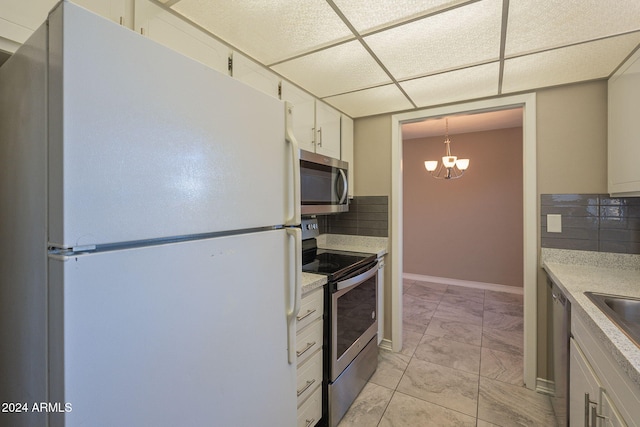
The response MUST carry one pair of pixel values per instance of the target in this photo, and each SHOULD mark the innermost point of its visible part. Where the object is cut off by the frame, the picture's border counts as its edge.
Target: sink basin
(623, 311)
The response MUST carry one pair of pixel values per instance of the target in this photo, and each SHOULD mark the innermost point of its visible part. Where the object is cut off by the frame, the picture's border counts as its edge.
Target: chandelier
(451, 167)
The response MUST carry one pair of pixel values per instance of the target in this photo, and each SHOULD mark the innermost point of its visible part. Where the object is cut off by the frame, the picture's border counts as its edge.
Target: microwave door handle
(343, 197)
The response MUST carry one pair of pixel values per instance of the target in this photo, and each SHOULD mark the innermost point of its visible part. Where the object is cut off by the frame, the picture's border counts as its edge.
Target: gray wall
(592, 222)
(367, 216)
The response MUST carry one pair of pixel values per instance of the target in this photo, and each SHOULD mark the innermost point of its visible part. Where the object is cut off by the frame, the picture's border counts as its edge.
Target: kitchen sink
(623, 311)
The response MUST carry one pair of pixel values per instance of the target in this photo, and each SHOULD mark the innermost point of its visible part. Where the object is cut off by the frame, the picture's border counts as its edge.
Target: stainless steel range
(351, 320)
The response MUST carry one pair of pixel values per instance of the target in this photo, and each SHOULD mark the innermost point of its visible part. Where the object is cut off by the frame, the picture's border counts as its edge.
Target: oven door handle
(355, 281)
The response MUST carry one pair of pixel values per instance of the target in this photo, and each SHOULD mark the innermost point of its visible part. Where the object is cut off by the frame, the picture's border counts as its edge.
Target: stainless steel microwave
(324, 184)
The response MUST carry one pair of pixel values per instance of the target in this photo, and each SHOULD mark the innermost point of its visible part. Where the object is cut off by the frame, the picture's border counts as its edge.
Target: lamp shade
(462, 164)
(431, 165)
(449, 161)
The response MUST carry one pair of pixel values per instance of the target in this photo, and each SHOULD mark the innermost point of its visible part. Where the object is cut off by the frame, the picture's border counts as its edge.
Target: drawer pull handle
(306, 386)
(309, 345)
(309, 422)
(307, 314)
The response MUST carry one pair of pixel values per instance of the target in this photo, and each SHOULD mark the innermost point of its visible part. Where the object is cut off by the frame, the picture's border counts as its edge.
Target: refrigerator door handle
(295, 281)
(295, 156)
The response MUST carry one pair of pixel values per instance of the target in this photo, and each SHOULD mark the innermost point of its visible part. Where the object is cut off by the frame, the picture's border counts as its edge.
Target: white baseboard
(545, 386)
(466, 283)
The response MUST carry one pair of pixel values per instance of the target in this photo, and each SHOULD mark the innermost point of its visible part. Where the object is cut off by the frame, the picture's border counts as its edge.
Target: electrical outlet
(554, 223)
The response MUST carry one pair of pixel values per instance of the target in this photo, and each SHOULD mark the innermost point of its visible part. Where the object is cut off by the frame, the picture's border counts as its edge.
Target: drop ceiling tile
(459, 85)
(464, 36)
(336, 70)
(369, 102)
(575, 63)
(369, 16)
(547, 24)
(268, 30)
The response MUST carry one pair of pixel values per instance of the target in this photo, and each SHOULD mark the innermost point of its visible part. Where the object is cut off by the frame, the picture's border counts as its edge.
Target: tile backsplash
(367, 216)
(592, 222)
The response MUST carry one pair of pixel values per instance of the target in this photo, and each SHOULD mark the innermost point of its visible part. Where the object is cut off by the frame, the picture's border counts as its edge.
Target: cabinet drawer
(309, 377)
(310, 411)
(309, 340)
(311, 308)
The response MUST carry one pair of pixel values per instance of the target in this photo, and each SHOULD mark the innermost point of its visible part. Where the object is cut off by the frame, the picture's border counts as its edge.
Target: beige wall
(450, 224)
(571, 158)
(572, 139)
(373, 178)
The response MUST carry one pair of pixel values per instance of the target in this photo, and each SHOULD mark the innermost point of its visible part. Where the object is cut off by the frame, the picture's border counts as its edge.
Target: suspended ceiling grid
(373, 57)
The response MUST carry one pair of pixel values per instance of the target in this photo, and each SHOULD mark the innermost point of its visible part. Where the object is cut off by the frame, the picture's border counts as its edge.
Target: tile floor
(460, 365)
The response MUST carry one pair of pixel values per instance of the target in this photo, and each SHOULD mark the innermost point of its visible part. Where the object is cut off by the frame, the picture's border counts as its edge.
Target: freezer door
(186, 334)
(146, 143)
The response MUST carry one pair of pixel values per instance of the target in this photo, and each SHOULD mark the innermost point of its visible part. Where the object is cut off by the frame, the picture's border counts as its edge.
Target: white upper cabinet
(19, 19)
(303, 115)
(624, 129)
(316, 125)
(346, 151)
(254, 74)
(120, 11)
(160, 25)
(327, 130)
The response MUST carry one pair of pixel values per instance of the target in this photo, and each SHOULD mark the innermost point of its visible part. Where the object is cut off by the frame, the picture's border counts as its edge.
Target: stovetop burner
(334, 264)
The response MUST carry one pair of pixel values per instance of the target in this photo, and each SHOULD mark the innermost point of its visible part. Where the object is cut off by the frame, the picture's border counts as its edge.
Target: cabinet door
(327, 130)
(303, 114)
(624, 128)
(583, 382)
(611, 417)
(255, 75)
(19, 19)
(169, 30)
(346, 149)
(119, 11)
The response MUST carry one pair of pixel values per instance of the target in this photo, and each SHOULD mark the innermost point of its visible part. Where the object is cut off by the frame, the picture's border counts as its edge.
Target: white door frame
(530, 242)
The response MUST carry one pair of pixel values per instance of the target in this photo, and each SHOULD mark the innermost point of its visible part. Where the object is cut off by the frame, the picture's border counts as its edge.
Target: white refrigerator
(150, 254)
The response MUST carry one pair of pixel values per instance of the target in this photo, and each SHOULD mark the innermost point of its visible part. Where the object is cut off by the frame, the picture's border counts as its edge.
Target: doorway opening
(529, 210)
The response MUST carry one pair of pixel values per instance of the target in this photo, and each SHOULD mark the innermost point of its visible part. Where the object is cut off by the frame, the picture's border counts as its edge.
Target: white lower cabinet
(310, 411)
(309, 337)
(608, 410)
(601, 394)
(584, 389)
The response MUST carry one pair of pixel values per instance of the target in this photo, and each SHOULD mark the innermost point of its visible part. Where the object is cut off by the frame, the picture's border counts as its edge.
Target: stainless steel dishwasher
(561, 312)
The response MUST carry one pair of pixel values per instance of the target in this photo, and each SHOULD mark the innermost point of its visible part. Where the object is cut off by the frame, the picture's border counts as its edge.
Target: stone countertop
(576, 272)
(312, 281)
(343, 242)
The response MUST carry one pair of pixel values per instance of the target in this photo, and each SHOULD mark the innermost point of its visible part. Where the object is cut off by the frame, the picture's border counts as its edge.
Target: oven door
(354, 318)
(323, 184)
